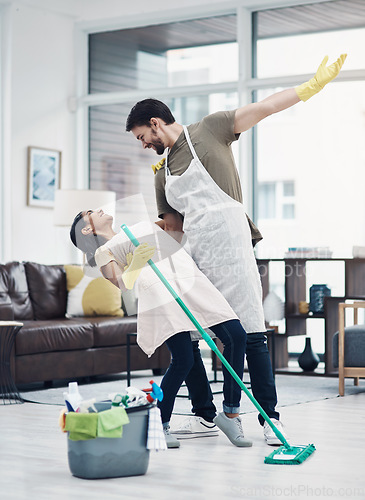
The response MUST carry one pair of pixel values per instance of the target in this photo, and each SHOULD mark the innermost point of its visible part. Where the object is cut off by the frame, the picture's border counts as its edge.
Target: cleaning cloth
(81, 426)
(110, 422)
(155, 436)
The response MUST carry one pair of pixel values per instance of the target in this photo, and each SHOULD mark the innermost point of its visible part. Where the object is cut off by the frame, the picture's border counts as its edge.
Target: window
(276, 200)
(166, 55)
(186, 54)
(209, 64)
(267, 200)
(318, 144)
(294, 60)
(291, 39)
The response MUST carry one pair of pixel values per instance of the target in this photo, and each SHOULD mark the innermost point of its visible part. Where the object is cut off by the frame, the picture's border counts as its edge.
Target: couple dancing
(198, 192)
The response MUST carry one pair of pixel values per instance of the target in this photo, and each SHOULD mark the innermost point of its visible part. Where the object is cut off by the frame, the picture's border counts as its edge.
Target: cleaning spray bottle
(72, 398)
(154, 392)
(87, 406)
(136, 397)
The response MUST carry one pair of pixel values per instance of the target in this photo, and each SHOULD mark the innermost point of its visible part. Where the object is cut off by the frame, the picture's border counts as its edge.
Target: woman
(160, 319)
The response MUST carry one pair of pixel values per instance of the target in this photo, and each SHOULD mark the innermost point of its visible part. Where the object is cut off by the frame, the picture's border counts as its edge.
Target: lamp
(69, 202)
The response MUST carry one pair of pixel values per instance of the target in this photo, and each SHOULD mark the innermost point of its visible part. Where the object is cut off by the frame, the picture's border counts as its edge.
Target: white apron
(218, 238)
(159, 315)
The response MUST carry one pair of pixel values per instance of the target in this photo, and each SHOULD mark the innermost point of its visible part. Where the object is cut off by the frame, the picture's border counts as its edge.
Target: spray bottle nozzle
(155, 392)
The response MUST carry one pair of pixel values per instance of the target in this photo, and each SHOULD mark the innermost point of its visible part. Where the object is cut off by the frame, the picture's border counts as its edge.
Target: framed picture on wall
(44, 172)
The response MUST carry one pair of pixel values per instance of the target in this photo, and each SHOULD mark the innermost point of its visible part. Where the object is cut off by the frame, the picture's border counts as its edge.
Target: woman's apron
(218, 237)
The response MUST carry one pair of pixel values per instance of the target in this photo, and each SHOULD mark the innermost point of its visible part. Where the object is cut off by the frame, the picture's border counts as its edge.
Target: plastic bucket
(113, 457)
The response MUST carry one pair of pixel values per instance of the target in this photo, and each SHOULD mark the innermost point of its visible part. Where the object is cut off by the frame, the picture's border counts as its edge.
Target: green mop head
(290, 456)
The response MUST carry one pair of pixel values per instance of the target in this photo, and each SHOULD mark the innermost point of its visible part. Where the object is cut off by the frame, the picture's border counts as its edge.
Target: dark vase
(308, 360)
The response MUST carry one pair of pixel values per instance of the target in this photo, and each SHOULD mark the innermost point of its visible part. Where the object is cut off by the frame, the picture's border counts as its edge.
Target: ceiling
(162, 37)
(323, 16)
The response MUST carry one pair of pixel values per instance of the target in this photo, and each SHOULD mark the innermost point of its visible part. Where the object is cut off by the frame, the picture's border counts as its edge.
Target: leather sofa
(50, 346)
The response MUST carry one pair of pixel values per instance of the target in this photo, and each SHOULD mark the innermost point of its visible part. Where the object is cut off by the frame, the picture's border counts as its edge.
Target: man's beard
(158, 145)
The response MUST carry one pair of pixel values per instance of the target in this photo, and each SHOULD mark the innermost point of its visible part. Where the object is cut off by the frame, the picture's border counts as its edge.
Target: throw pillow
(89, 296)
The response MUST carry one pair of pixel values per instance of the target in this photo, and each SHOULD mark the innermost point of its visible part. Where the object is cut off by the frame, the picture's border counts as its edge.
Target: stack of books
(308, 253)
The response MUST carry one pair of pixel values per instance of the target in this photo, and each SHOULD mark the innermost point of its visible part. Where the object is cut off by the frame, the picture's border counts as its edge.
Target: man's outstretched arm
(248, 116)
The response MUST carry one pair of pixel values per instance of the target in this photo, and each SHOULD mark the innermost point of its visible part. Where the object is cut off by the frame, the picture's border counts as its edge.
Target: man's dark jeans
(262, 380)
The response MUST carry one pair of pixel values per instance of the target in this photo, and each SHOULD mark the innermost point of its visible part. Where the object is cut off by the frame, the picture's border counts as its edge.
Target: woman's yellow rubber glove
(129, 258)
(141, 255)
(323, 76)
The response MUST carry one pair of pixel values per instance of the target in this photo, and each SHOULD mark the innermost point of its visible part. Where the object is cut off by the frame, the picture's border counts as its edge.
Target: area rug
(291, 390)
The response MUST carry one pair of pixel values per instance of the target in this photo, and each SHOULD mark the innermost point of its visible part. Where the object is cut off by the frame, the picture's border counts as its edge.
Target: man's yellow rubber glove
(159, 165)
(141, 255)
(323, 76)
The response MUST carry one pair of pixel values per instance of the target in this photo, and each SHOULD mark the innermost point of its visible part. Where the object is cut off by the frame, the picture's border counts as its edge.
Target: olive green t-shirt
(212, 138)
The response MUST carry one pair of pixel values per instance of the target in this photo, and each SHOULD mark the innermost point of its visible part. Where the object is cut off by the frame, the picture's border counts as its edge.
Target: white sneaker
(270, 436)
(171, 442)
(232, 428)
(194, 427)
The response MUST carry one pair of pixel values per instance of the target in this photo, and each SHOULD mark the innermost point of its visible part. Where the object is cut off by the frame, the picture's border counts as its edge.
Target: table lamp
(273, 308)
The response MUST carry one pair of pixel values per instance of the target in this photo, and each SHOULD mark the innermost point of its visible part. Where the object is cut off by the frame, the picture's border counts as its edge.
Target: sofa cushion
(6, 308)
(113, 331)
(54, 335)
(354, 346)
(47, 289)
(89, 296)
(16, 287)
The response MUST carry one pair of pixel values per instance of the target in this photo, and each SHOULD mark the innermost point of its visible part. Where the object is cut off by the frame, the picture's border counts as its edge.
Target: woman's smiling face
(97, 220)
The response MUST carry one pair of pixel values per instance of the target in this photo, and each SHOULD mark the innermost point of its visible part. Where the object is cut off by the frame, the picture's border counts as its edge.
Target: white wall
(42, 79)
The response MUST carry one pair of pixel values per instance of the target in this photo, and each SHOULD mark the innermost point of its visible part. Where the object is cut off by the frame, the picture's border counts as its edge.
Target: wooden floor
(33, 459)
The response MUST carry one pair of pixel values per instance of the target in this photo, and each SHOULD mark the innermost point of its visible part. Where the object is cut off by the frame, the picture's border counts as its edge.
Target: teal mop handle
(208, 340)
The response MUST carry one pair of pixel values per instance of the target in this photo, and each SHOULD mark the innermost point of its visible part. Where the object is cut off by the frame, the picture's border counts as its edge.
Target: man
(198, 191)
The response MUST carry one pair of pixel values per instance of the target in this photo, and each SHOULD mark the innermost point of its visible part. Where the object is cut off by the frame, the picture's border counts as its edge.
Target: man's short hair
(143, 111)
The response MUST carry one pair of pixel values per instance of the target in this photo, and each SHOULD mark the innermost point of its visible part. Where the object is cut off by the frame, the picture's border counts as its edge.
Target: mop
(284, 455)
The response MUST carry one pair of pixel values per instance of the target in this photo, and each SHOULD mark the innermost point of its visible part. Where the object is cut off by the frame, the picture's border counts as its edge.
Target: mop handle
(207, 339)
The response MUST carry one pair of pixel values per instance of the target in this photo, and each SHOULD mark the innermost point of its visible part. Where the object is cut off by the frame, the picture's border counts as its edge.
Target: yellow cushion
(91, 296)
